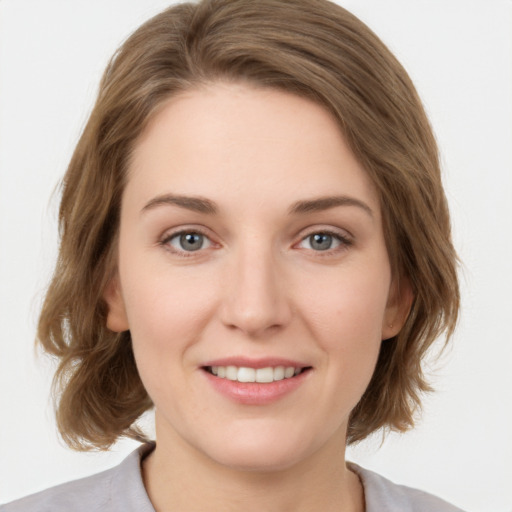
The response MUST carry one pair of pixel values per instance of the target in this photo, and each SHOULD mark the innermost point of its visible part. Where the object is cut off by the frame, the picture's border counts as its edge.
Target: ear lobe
(117, 321)
(398, 307)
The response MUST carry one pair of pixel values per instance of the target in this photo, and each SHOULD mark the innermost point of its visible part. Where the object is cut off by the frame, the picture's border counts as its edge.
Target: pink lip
(255, 393)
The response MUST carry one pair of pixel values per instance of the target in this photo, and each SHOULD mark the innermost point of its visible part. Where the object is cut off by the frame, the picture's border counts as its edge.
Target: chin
(258, 460)
(262, 451)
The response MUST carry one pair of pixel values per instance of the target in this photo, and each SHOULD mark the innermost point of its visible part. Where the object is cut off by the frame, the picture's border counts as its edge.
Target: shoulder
(91, 493)
(382, 495)
(118, 488)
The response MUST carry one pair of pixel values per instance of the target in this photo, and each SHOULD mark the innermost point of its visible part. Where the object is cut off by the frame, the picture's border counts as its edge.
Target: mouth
(256, 381)
(264, 375)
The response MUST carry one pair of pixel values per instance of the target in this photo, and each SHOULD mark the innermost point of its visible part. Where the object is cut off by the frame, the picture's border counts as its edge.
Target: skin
(257, 287)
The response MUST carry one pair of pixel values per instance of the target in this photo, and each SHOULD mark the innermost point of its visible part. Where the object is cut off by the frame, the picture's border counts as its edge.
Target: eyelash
(344, 242)
(165, 242)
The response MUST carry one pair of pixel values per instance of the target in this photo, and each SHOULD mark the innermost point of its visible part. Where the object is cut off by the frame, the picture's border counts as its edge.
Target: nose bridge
(255, 299)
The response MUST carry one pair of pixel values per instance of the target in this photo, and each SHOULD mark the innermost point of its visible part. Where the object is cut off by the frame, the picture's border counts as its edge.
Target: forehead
(238, 143)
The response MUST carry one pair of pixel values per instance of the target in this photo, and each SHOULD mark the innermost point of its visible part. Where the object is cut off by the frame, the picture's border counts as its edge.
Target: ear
(398, 307)
(117, 320)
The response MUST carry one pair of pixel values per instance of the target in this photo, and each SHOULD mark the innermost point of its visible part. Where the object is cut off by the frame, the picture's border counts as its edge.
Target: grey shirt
(121, 489)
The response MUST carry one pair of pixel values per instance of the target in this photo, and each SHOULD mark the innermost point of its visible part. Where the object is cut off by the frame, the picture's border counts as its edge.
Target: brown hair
(313, 48)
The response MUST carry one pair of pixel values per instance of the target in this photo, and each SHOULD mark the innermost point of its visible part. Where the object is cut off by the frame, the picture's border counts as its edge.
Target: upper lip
(256, 363)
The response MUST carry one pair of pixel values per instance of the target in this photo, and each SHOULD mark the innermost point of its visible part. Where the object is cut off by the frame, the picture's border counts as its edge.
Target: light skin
(289, 261)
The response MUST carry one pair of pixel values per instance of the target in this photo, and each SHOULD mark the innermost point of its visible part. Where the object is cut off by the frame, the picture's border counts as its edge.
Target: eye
(187, 241)
(323, 241)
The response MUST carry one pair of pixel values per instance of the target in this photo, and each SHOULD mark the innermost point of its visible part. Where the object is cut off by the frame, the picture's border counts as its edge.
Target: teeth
(262, 375)
(231, 373)
(279, 373)
(246, 375)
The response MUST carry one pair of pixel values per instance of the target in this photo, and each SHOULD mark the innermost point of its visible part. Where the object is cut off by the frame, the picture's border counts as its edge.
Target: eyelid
(182, 230)
(345, 239)
(327, 229)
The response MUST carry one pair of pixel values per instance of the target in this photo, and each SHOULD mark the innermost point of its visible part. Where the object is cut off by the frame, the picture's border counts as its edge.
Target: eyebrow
(196, 204)
(203, 205)
(325, 203)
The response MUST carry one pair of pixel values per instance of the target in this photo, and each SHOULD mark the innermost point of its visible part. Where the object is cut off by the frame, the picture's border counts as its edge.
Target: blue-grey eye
(189, 242)
(321, 242)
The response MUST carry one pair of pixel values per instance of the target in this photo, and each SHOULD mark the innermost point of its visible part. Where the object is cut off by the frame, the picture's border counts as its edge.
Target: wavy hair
(313, 48)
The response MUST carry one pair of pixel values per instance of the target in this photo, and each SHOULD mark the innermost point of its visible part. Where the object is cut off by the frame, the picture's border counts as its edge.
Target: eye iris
(321, 241)
(191, 241)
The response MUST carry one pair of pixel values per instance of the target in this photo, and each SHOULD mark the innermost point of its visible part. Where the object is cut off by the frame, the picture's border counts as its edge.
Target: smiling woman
(280, 280)
(256, 243)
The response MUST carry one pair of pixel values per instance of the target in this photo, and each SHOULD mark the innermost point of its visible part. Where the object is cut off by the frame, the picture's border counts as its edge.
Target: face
(252, 275)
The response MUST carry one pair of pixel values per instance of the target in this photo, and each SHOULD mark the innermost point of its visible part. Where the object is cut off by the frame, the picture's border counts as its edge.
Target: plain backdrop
(458, 52)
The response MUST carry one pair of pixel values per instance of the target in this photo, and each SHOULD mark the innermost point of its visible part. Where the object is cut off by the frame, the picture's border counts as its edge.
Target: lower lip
(255, 393)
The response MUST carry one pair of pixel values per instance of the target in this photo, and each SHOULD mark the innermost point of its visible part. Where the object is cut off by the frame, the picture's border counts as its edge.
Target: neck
(178, 478)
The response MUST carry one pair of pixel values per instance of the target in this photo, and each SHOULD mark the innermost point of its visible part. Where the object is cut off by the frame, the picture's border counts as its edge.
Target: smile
(255, 381)
(260, 375)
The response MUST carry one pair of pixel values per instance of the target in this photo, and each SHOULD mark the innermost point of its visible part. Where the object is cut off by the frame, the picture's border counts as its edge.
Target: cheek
(166, 315)
(166, 306)
(348, 308)
(166, 318)
(345, 318)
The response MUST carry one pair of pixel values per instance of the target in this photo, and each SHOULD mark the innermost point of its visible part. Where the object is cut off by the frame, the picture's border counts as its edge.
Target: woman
(255, 240)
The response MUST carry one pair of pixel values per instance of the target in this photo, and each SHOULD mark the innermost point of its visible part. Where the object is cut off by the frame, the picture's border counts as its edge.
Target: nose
(255, 298)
